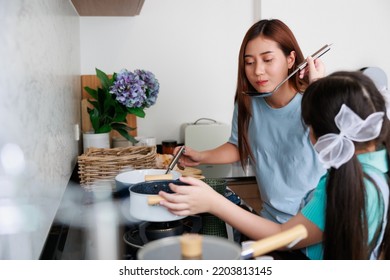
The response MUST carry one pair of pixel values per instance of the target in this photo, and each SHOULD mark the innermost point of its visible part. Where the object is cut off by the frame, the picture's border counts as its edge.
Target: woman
(347, 215)
(268, 130)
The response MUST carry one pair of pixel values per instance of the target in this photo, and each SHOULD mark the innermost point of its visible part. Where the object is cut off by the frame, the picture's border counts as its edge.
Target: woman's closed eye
(249, 62)
(268, 60)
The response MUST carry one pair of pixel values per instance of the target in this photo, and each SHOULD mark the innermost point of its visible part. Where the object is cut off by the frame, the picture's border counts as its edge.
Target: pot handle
(287, 238)
(154, 199)
(158, 177)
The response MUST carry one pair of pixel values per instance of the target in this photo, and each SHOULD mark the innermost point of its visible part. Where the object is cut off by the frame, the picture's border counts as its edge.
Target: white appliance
(206, 134)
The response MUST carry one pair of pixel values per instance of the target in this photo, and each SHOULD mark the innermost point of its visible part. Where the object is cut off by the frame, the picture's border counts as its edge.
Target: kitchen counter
(241, 181)
(95, 225)
(230, 172)
(82, 216)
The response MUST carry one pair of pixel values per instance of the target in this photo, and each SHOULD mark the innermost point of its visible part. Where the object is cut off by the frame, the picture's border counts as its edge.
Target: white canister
(145, 141)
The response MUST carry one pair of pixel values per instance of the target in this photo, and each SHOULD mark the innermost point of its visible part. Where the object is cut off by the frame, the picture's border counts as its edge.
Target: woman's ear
(291, 59)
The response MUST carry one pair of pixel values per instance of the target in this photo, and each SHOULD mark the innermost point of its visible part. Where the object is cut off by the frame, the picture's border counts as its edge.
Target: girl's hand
(315, 69)
(189, 200)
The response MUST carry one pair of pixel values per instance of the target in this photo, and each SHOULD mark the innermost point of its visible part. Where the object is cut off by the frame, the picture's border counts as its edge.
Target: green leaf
(139, 112)
(123, 126)
(103, 79)
(94, 103)
(119, 117)
(101, 98)
(123, 131)
(103, 129)
(109, 102)
(94, 117)
(120, 114)
(92, 92)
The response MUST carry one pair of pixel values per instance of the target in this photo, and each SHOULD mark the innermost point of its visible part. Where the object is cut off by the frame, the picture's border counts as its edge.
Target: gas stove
(72, 239)
(136, 236)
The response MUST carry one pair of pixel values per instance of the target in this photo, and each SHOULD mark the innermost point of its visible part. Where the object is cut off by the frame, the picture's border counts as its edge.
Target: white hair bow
(336, 149)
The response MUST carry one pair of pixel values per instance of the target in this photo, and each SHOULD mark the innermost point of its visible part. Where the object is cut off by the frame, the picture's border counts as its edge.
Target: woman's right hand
(315, 69)
(189, 158)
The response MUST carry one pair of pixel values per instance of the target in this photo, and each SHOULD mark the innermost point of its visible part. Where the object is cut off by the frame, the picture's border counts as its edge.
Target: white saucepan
(129, 178)
(144, 201)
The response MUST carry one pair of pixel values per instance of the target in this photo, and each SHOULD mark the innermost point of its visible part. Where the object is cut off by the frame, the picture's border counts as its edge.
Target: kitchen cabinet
(108, 7)
(248, 190)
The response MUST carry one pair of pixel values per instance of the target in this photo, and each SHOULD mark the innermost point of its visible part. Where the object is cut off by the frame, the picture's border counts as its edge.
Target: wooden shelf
(108, 7)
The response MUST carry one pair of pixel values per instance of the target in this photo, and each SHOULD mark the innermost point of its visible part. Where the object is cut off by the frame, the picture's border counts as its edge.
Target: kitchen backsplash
(39, 107)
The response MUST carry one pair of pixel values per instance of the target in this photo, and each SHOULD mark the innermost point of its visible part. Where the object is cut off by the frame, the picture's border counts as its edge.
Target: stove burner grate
(139, 235)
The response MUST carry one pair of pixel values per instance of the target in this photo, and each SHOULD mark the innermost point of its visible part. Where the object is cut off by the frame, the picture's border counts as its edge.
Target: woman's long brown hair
(346, 227)
(279, 32)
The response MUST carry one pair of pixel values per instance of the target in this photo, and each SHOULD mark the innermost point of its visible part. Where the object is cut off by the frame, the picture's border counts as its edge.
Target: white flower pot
(96, 140)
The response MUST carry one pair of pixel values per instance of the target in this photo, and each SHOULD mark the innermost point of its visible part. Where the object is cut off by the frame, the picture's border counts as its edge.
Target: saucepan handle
(154, 199)
(271, 243)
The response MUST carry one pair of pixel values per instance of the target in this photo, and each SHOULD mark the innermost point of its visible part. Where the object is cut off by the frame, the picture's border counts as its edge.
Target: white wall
(192, 48)
(358, 29)
(39, 105)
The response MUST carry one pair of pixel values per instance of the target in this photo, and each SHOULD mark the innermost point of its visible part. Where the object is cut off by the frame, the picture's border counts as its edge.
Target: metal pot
(144, 201)
(213, 248)
(218, 248)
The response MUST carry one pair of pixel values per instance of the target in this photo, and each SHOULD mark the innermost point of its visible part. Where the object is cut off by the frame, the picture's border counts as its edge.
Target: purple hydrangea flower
(135, 90)
(151, 88)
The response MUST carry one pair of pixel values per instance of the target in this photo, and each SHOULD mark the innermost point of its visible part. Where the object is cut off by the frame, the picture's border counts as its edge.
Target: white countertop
(233, 170)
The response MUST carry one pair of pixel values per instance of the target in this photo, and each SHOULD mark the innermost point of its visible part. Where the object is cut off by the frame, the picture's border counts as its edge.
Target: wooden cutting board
(92, 81)
(85, 121)
(191, 172)
(188, 171)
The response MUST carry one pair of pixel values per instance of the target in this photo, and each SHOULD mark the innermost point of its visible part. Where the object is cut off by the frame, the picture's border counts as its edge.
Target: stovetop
(94, 226)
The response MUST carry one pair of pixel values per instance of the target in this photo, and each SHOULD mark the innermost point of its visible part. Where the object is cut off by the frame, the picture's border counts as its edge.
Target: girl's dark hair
(279, 32)
(346, 228)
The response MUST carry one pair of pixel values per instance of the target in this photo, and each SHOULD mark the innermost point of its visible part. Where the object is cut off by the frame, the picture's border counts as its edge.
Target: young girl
(268, 130)
(347, 215)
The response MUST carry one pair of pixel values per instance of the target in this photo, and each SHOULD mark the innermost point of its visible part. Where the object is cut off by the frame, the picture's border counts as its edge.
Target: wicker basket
(102, 165)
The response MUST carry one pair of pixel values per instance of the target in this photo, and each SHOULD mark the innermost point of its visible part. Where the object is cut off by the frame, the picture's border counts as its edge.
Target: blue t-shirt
(375, 165)
(286, 165)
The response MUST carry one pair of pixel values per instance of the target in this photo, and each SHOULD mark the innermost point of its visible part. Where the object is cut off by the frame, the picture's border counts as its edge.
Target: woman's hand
(315, 69)
(190, 157)
(196, 198)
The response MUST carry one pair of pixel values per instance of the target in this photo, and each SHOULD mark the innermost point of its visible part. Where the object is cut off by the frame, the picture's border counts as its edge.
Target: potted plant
(124, 93)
